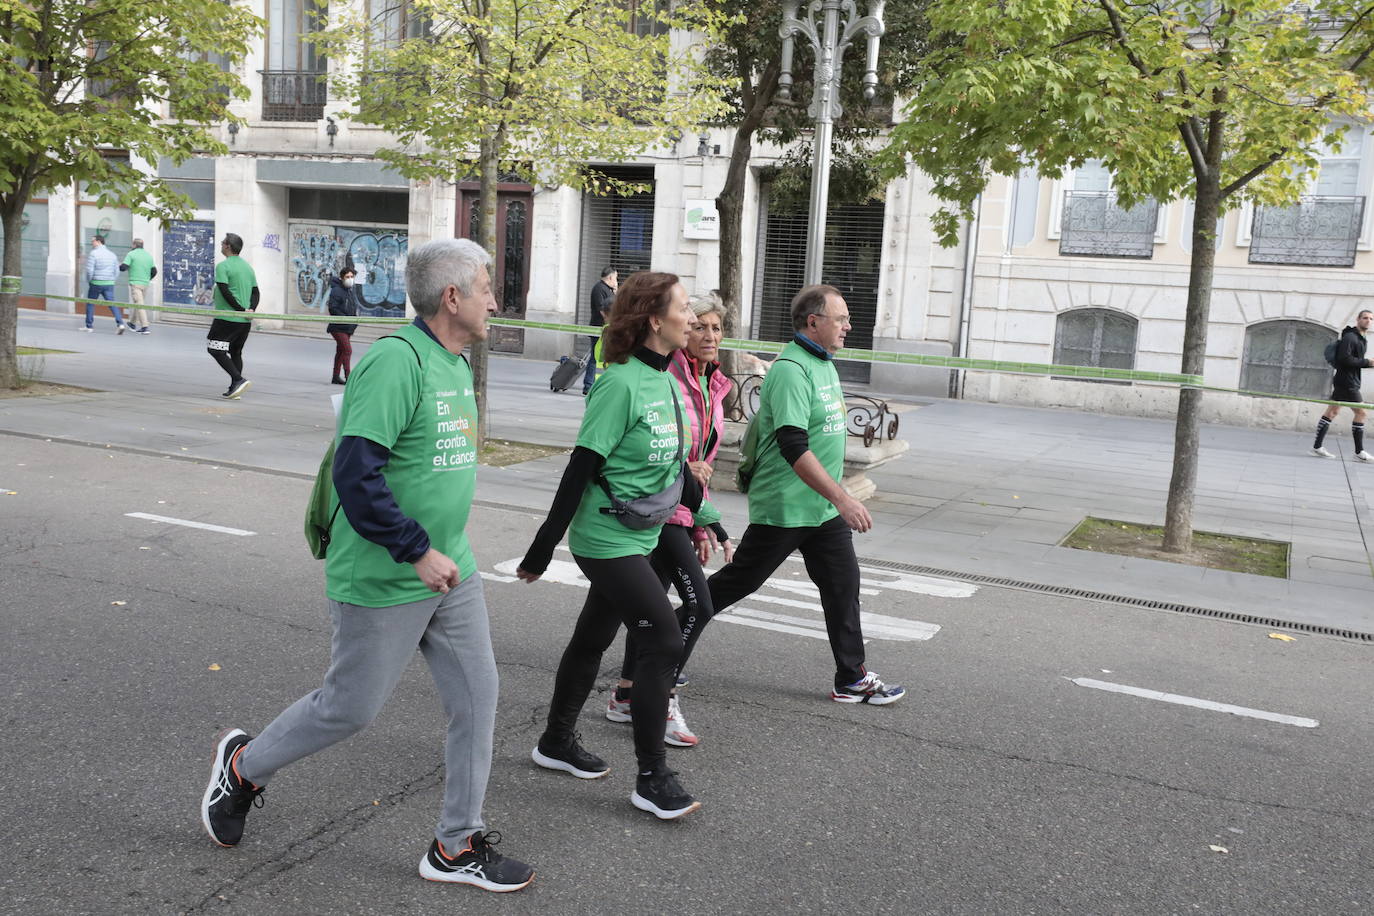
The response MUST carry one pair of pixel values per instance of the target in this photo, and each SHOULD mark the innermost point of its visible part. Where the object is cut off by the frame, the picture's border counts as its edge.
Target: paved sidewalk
(985, 488)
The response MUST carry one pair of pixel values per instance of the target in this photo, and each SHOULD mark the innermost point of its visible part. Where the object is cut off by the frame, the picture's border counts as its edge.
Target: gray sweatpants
(370, 649)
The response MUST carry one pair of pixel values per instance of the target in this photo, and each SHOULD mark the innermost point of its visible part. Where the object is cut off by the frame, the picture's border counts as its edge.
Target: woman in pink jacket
(688, 539)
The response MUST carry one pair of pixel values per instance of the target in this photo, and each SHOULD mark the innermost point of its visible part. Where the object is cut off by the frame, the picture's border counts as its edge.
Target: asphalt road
(999, 785)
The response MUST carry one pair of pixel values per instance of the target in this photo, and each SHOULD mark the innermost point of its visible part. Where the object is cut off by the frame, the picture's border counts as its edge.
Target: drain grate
(1003, 582)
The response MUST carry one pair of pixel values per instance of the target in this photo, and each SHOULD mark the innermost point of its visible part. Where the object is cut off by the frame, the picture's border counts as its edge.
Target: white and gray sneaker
(678, 734)
(1321, 452)
(1362, 455)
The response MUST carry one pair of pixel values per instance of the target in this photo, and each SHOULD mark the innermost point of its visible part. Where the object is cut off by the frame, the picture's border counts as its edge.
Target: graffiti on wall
(319, 252)
(188, 263)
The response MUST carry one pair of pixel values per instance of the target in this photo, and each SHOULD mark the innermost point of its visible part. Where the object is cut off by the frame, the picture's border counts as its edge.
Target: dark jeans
(101, 292)
(590, 375)
(624, 590)
(675, 560)
(828, 551)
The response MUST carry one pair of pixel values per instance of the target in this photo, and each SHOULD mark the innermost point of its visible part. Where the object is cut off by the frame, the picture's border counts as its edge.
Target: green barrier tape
(11, 285)
(771, 346)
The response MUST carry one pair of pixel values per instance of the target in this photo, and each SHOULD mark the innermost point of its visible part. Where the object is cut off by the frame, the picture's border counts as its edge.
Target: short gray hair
(708, 304)
(437, 265)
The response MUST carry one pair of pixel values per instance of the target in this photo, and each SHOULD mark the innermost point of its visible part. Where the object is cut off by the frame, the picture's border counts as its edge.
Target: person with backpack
(1348, 359)
(626, 476)
(688, 538)
(794, 451)
(399, 573)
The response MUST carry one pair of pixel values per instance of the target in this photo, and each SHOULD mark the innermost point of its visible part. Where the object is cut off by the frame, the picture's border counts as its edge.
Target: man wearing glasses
(796, 501)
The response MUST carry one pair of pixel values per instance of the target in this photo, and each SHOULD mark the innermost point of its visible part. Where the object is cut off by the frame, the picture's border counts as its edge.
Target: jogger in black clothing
(1345, 387)
(630, 449)
(236, 294)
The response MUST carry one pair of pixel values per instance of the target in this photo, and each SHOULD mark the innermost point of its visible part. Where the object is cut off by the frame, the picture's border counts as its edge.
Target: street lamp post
(829, 41)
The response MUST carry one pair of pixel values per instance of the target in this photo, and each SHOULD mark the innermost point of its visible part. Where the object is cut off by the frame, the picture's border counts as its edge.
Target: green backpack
(323, 507)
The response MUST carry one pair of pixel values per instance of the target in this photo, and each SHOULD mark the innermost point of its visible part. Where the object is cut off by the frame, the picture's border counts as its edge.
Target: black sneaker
(479, 864)
(663, 796)
(570, 758)
(238, 388)
(224, 807)
(869, 689)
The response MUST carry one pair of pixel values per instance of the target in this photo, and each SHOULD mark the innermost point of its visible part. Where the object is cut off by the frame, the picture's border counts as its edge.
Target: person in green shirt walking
(139, 263)
(796, 500)
(399, 573)
(633, 444)
(236, 294)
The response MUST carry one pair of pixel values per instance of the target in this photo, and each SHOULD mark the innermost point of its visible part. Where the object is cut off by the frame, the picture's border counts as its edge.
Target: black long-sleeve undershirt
(368, 502)
(233, 301)
(583, 467)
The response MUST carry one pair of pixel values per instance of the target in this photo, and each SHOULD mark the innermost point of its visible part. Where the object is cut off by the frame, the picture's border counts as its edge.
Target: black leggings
(675, 560)
(624, 590)
(225, 343)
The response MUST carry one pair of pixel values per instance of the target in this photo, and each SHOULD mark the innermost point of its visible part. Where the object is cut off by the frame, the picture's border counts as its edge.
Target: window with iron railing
(1285, 357)
(293, 83)
(1100, 338)
(1317, 231)
(1095, 225)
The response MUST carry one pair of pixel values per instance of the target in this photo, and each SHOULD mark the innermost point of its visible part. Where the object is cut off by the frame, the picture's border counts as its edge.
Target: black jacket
(602, 297)
(341, 302)
(1350, 359)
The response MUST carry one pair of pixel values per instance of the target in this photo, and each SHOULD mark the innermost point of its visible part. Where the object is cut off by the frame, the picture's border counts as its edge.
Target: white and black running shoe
(571, 757)
(224, 807)
(479, 865)
(662, 796)
(237, 389)
(868, 689)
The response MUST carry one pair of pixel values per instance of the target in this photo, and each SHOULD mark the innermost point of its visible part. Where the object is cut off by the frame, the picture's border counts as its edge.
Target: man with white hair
(399, 573)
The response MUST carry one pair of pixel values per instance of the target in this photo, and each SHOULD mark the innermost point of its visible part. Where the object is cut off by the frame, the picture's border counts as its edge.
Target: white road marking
(190, 524)
(493, 577)
(560, 571)
(920, 585)
(776, 622)
(1212, 705)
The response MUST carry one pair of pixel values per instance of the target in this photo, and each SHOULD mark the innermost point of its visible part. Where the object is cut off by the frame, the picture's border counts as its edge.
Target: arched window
(1285, 357)
(1095, 337)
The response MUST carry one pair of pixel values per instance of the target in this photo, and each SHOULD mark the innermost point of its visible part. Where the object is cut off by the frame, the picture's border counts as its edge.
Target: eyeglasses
(838, 319)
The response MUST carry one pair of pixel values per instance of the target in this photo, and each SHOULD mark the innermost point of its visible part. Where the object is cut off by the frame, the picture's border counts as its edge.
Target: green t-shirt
(631, 422)
(239, 277)
(432, 471)
(802, 390)
(141, 267)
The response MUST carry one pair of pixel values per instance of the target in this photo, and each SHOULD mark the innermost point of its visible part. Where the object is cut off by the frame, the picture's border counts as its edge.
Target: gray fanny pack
(644, 512)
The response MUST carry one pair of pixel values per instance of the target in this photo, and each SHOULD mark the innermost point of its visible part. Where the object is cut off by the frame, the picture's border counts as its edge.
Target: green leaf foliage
(546, 85)
(81, 79)
(1232, 95)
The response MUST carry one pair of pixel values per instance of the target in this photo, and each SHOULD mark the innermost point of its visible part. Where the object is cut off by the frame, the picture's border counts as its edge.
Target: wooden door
(510, 278)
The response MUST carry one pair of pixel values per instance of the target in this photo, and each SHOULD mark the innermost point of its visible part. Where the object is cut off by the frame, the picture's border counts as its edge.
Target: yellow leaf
(214, 667)
(1284, 636)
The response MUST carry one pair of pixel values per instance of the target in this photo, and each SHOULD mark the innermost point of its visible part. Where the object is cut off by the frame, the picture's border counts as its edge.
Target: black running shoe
(237, 389)
(479, 864)
(663, 796)
(570, 758)
(227, 798)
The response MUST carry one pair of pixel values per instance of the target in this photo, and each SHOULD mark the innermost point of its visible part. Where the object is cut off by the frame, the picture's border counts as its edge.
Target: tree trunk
(486, 204)
(12, 216)
(730, 206)
(1178, 516)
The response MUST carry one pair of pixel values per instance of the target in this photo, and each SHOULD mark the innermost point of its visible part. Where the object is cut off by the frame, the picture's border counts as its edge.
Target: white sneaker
(86, 330)
(121, 329)
(1322, 453)
(1363, 456)
(618, 710)
(678, 734)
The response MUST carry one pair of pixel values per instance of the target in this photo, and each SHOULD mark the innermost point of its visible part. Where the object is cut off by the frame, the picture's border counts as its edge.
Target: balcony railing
(1095, 226)
(1316, 231)
(293, 95)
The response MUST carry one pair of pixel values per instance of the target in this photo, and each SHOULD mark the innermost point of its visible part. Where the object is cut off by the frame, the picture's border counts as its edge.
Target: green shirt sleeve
(706, 515)
(607, 416)
(791, 397)
(385, 389)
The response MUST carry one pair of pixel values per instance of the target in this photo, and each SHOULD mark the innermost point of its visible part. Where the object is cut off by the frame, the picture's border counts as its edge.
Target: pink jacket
(697, 405)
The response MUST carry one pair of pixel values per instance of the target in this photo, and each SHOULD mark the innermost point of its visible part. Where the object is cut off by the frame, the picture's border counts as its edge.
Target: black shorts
(224, 334)
(1347, 394)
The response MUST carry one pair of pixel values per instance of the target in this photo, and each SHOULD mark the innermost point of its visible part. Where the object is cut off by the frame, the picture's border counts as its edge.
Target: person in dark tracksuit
(632, 443)
(342, 303)
(1345, 387)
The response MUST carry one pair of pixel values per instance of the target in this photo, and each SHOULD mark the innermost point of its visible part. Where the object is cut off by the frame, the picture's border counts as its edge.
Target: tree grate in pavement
(978, 578)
